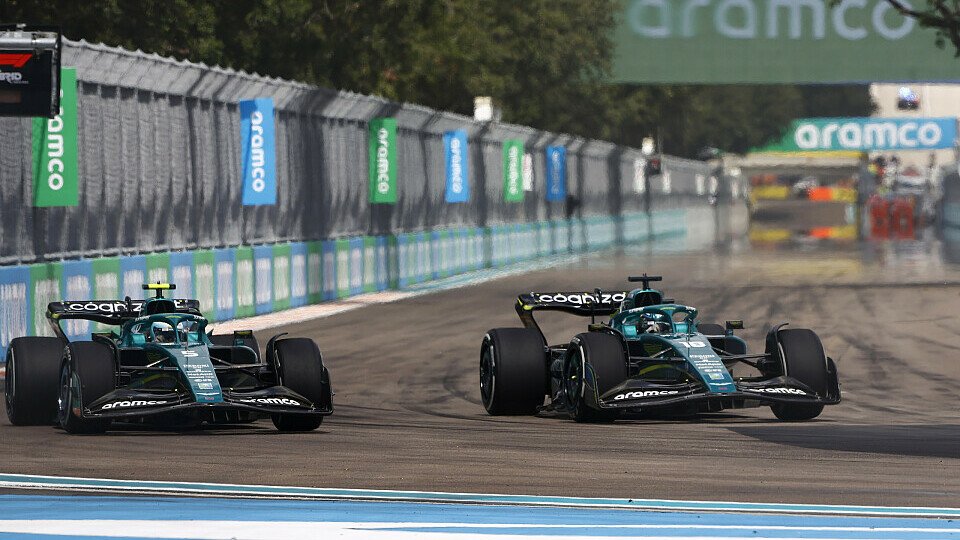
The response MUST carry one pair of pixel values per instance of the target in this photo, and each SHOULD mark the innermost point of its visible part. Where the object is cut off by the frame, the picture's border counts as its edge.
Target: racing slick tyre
(513, 371)
(300, 368)
(30, 386)
(86, 375)
(804, 360)
(603, 353)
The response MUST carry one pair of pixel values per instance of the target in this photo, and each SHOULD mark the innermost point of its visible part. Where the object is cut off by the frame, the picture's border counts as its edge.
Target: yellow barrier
(770, 193)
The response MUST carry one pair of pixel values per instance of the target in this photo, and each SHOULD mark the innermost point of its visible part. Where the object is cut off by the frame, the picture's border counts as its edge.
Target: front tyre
(595, 362)
(513, 371)
(30, 385)
(300, 368)
(86, 375)
(805, 361)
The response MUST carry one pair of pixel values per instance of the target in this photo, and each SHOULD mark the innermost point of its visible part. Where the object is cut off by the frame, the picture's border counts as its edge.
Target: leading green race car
(652, 354)
(161, 367)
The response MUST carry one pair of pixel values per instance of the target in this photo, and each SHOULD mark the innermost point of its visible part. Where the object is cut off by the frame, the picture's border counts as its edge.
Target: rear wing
(110, 311)
(584, 304)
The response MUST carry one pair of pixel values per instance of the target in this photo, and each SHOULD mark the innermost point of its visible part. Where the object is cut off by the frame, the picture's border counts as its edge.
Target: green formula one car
(652, 354)
(161, 367)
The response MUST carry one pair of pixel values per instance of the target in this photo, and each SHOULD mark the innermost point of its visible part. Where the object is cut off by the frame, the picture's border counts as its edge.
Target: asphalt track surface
(408, 412)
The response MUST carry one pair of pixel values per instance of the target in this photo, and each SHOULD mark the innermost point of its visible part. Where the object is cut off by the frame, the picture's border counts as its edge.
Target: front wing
(130, 403)
(638, 394)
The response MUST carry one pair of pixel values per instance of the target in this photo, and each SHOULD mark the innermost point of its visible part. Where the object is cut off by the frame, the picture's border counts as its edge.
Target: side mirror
(734, 325)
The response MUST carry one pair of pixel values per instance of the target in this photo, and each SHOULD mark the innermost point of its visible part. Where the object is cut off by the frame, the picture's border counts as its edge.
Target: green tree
(940, 15)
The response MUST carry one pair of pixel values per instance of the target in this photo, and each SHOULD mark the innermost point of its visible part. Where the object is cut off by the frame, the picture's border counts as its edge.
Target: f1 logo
(16, 60)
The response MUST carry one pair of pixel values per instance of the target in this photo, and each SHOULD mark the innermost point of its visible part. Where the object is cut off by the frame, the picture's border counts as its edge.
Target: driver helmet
(163, 333)
(654, 323)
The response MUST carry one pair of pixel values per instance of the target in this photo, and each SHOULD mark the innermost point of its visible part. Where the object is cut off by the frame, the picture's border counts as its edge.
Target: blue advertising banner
(298, 274)
(225, 284)
(181, 274)
(383, 264)
(436, 255)
(14, 305)
(356, 266)
(133, 274)
(458, 168)
(867, 134)
(263, 279)
(258, 152)
(77, 285)
(556, 173)
(405, 260)
(328, 253)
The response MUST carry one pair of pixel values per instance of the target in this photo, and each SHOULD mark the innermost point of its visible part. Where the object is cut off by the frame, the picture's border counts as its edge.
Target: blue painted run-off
(460, 519)
(212, 489)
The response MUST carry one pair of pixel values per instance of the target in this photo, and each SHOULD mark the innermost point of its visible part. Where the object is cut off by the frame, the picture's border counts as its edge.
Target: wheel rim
(487, 377)
(573, 381)
(65, 397)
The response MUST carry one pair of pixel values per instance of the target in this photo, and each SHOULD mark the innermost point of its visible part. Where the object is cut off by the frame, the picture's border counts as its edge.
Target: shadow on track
(912, 440)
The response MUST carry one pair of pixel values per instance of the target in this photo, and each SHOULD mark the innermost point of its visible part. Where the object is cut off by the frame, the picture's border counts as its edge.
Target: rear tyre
(86, 375)
(804, 360)
(513, 371)
(604, 355)
(30, 386)
(300, 368)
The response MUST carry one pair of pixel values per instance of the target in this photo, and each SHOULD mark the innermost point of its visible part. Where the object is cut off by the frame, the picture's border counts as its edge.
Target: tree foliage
(544, 62)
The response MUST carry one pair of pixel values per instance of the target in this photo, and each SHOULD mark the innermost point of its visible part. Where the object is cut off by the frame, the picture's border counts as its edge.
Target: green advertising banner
(158, 268)
(204, 285)
(45, 280)
(106, 279)
(775, 41)
(383, 160)
(512, 170)
(55, 150)
(314, 272)
(246, 301)
(106, 284)
(281, 277)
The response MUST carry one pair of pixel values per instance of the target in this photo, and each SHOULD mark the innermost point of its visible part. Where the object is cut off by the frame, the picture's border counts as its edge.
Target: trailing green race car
(652, 354)
(162, 367)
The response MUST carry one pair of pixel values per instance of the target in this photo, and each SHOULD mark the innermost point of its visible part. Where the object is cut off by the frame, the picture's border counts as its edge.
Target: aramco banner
(867, 134)
(383, 160)
(513, 170)
(556, 173)
(458, 169)
(258, 151)
(55, 178)
(775, 41)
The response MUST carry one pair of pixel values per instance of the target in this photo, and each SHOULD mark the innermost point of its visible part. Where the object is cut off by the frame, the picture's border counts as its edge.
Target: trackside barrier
(240, 282)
